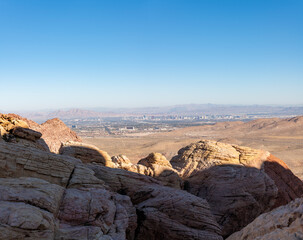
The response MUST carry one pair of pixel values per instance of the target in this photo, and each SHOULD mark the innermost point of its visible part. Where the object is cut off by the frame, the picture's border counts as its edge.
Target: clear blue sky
(60, 54)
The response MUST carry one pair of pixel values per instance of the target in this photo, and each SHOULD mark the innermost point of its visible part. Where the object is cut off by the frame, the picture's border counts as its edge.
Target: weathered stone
(205, 154)
(86, 153)
(236, 194)
(8, 123)
(22, 221)
(155, 158)
(120, 159)
(26, 133)
(33, 191)
(55, 132)
(163, 212)
(289, 185)
(285, 222)
(88, 201)
(161, 169)
(19, 161)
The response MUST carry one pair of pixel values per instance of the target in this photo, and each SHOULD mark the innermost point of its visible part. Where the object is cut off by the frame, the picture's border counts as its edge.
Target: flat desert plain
(282, 137)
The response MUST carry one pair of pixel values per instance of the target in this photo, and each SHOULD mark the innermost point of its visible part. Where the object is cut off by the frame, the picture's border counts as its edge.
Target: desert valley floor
(281, 137)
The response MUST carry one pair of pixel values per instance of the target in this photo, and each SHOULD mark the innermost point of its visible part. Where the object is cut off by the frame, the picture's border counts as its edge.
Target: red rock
(26, 133)
(289, 185)
(236, 194)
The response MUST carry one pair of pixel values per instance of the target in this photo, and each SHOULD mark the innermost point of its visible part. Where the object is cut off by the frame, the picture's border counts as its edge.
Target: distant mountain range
(188, 109)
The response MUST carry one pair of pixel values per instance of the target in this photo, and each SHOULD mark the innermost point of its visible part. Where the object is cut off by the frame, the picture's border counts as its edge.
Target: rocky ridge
(53, 132)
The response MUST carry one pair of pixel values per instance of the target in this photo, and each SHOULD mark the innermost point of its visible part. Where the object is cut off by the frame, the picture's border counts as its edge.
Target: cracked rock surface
(48, 196)
(285, 222)
(225, 188)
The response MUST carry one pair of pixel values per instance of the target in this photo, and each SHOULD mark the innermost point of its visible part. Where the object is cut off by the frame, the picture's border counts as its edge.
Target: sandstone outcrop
(163, 212)
(205, 154)
(86, 153)
(8, 123)
(83, 194)
(55, 132)
(161, 169)
(90, 208)
(48, 136)
(236, 194)
(154, 165)
(289, 185)
(285, 222)
(49, 196)
(122, 162)
(20, 161)
(16, 130)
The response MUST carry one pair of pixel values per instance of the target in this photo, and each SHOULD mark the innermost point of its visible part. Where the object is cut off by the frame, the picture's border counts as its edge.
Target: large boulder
(289, 185)
(26, 133)
(19, 220)
(62, 198)
(33, 191)
(54, 131)
(16, 130)
(8, 123)
(89, 207)
(205, 154)
(161, 169)
(154, 165)
(21, 161)
(285, 222)
(163, 212)
(236, 194)
(86, 153)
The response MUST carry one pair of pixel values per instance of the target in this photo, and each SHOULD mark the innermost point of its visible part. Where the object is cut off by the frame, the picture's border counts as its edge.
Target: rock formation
(83, 194)
(163, 212)
(86, 153)
(236, 194)
(205, 154)
(154, 165)
(48, 196)
(285, 222)
(161, 169)
(290, 187)
(47, 136)
(16, 130)
(55, 132)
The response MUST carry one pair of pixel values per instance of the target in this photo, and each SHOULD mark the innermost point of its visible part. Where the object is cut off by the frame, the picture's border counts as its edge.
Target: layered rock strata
(285, 222)
(49, 196)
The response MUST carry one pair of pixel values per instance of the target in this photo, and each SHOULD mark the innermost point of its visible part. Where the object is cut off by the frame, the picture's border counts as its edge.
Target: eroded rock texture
(74, 195)
(285, 222)
(55, 132)
(47, 136)
(86, 153)
(49, 196)
(21, 161)
(289, 185)
(236, 194)
(205, 154)
(163, 212)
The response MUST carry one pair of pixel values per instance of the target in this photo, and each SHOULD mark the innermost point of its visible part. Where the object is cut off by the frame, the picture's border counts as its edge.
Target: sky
(109, 53)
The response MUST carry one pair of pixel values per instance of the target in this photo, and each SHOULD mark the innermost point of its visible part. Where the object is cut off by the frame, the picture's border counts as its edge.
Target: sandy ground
(289, 148)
